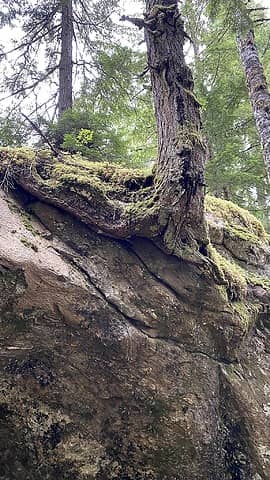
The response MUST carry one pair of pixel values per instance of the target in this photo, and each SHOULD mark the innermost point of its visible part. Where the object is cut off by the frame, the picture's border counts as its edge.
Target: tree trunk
(181, 150)
(258, 91)
(66, 65)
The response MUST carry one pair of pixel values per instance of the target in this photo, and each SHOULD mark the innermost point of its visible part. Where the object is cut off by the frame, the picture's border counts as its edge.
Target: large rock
(121, 362)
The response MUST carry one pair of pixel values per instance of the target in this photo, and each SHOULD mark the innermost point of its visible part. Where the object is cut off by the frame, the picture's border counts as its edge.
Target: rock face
(121, 362)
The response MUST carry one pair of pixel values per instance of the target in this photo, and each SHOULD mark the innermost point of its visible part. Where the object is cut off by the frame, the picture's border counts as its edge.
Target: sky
(132, 6)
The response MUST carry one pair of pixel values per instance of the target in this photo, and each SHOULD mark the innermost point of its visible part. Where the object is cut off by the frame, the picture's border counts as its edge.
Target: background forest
(75, 78)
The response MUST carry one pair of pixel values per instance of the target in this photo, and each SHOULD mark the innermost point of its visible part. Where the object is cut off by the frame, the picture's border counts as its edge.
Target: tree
(174, 206)
(117, 107)
(240, 17)
(66, 61)
(43, 47)
(235, 169)
(181, 149)
(13, 133)
(258, 91)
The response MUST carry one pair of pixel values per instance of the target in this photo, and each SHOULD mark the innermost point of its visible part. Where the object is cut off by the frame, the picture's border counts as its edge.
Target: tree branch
(40, 133)
(138, 22)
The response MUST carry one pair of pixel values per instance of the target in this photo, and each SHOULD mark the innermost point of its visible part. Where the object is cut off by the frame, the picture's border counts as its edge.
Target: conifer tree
(42, 50)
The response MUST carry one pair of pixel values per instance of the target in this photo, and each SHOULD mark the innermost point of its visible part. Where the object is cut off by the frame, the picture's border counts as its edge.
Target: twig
(42, 135)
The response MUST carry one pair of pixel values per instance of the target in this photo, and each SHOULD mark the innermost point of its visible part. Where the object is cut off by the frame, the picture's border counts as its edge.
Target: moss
(246, 312)
(187, 137)
(259, 280)
(25, 217)
(241, 234)
(233, 276)
(77, 170)
(26, 220)
(239, 222)
(17, 156)
(29, 244)
(241, 226)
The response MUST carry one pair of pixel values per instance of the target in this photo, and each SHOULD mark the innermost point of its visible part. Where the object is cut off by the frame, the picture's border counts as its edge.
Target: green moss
(29, 244)
(19, 156)
(246, 312)
(235, 278)
(26, 220)
(239, 225)
(77, 170)
(259, 280)
(25, 217)
(230, 274)
(187, 137)
(74, 168)
(241, 234)
(238, 222)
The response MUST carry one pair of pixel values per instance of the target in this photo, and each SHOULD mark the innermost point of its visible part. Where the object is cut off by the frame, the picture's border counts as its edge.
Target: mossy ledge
(109, 198)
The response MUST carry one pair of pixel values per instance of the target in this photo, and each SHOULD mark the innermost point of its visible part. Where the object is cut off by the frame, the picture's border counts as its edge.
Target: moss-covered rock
(118, 360)
(237, 233)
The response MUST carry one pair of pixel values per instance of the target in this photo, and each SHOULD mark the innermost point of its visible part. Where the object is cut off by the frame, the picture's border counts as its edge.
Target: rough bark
(119, 361)
(258, 91)
(66, 61)
(181, 155)
(181, 149)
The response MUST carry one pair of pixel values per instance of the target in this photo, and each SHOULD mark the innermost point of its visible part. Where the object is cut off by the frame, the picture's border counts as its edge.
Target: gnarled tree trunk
(181, 149)
(258, 91)
(66, 65)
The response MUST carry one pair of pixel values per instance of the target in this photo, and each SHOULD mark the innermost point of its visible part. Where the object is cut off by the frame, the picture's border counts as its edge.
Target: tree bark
(66, 65)
(258, 91)
(181, 149)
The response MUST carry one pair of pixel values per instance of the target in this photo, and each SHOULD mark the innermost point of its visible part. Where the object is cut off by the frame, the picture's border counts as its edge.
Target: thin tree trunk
(181, 150)
(258, 91)
(65, 68)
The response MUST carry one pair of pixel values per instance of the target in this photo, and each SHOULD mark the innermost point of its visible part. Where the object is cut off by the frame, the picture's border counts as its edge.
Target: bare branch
(41, 134)
(138, 22)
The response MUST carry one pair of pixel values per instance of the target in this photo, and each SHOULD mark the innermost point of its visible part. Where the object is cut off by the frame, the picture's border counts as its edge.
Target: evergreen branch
(33, 85)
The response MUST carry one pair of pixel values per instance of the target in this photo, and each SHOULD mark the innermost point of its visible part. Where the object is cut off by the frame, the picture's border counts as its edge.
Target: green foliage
(113, 117)
(84, 132)
(234, 14)
(235, 169)
(13, 132)
(121, 97)
(85, 136)
(81, 143)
